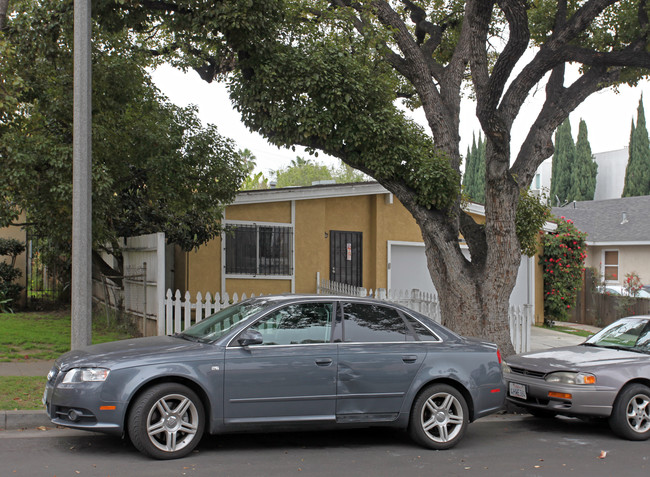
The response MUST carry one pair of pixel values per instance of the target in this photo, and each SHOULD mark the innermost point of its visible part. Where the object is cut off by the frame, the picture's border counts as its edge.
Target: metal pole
(81, 328)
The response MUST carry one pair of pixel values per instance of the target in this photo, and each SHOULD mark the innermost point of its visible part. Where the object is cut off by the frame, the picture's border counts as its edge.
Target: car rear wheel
(630, 417)
(439, 417)
(166, 421)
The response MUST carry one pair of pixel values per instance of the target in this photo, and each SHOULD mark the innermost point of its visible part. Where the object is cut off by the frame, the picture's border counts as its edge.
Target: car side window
(420, 332)
(303, 323)
(371, 323)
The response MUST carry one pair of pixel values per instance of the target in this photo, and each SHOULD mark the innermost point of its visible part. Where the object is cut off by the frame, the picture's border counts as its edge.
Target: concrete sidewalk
(26, 368)
(541, 338)
(545, 338)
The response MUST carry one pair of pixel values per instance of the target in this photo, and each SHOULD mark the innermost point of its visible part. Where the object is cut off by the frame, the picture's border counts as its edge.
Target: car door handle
(323, 361)
(409, 358)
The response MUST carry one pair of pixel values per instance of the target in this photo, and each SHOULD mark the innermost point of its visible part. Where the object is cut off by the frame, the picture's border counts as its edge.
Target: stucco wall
(379, 217)
(631, 258)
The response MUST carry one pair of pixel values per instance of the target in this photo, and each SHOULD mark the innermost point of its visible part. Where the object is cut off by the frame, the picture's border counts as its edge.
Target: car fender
(206, 378)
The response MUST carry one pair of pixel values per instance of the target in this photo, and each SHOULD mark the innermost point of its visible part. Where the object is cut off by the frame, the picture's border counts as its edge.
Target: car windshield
(628, 333)
(215, 326)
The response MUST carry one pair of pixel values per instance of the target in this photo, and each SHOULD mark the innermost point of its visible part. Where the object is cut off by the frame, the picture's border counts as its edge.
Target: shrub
(563, 259)
(9, 291)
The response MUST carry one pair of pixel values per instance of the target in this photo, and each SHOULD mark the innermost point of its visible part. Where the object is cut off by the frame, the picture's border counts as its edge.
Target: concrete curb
(26, 420)
(14, 420)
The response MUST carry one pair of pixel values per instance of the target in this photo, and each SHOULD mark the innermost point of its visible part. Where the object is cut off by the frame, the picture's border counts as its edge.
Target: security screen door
(346, 257)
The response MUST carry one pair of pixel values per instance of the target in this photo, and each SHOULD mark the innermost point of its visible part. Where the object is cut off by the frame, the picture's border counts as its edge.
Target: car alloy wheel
(630, 417)
(166, 421)
(439, 417)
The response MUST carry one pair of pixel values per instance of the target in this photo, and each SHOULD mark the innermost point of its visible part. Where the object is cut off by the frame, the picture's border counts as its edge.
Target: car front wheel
(630, 417)
(166, 421)
(439, 417)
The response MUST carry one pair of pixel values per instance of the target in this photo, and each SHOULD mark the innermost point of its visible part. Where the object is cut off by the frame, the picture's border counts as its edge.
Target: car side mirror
(250, 337)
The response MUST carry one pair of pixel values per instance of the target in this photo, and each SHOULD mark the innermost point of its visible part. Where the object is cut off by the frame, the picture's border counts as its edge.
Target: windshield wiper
(183, 336)
(620, 348)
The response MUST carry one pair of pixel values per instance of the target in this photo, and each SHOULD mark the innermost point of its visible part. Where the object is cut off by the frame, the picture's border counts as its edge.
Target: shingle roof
(610, 221)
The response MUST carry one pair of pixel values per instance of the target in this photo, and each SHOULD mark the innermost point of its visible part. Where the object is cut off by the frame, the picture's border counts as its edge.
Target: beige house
(618, 235)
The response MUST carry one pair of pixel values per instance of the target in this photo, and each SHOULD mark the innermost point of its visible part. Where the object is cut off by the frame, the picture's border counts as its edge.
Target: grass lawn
(571, 331)
(18, 393)
(34, 336)
(45, 335)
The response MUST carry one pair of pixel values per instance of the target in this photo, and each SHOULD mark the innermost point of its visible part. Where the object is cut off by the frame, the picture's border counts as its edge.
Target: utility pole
(81, 328)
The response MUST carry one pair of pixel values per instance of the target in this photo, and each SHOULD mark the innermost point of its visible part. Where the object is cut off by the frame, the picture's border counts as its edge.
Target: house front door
(346, 257)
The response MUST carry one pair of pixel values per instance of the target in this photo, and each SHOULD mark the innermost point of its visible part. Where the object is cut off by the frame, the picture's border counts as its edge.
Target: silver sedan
(608, 376)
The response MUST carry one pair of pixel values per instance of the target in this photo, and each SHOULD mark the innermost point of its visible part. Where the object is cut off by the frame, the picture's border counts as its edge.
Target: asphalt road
(495, 446)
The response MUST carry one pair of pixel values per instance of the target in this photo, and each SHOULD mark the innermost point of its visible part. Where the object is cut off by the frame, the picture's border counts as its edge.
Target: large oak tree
(330, 75)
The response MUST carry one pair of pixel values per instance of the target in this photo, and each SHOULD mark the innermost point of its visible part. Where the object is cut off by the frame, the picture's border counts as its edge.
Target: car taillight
(499, 355)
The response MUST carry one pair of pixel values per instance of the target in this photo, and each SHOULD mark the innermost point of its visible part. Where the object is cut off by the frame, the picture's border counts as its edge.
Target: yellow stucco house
(281, 240)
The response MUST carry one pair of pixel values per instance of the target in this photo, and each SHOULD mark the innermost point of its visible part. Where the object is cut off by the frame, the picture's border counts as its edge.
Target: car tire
(166, 421)
(439, 417)
(630, 417)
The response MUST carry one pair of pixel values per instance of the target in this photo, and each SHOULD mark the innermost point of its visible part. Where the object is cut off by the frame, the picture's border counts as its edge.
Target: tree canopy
(563, 159)
(304, 172)
(585, 169)
(155, 166)
(336, 76)
(574, 171)
(637, 172)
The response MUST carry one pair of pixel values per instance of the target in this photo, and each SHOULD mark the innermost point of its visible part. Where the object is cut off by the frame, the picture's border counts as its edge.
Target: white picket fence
(181, 311)
(521, 317)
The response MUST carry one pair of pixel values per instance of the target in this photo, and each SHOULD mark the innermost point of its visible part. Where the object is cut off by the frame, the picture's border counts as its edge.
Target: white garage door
(407, 269)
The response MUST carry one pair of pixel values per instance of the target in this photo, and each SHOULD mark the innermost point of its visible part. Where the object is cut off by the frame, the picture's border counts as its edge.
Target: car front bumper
(80, 406)
(579, 400)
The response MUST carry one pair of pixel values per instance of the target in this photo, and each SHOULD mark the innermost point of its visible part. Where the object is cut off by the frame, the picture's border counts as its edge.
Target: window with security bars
(258, 250)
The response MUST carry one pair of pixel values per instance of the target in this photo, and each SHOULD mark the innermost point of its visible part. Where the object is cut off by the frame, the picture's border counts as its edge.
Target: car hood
(574, 358)
(125, 353)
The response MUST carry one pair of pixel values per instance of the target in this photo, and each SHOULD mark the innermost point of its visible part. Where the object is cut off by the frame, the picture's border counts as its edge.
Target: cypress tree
(583, 173)
(474, 177)
(637, 173)
(563, 159)
(480, 170)
(469, 167)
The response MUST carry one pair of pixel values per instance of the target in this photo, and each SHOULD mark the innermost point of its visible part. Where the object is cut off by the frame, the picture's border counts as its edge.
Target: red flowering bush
(632, 284)
(563, 259)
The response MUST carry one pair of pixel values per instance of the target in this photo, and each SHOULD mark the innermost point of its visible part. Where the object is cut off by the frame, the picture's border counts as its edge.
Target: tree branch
(549, 56)
(538, 145)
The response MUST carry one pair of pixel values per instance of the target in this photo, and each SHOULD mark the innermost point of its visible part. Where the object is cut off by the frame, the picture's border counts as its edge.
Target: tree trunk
(101, 267)
(474, 298)
(4, 5)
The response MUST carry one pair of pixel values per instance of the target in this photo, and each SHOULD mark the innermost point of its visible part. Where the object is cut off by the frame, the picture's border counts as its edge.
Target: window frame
(333, 324)
(604, 266)
(258, 226)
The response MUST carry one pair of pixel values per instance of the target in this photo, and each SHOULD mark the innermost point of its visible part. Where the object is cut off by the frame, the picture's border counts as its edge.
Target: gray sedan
(608, 376)
(281, 362)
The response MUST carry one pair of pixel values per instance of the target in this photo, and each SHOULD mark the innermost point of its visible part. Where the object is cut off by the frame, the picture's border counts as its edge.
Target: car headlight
(564, 377)
(83, 375)
(505, 368)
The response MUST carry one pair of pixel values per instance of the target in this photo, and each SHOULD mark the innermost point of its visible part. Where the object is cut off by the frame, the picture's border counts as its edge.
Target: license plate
(518, 390)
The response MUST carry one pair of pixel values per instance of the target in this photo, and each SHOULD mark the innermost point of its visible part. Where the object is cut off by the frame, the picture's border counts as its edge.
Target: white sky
(608, 116)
